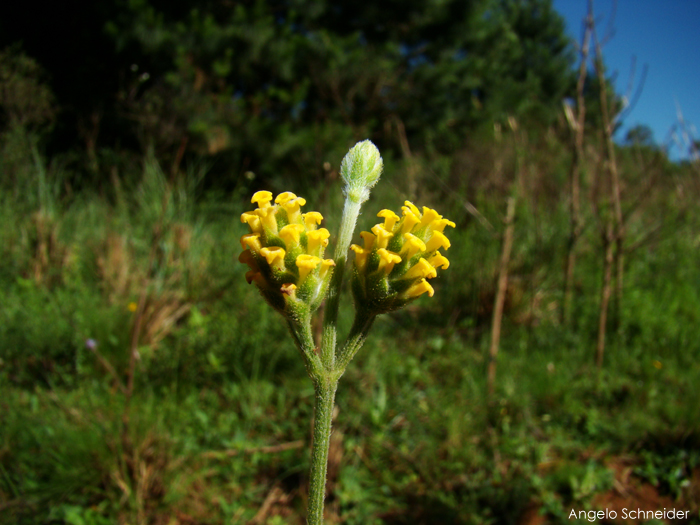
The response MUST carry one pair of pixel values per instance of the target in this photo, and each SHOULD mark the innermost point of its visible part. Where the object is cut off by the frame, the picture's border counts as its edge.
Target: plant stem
(301, 332)
(358, 333)
(330, 319)
(326, 377)
(325, 395)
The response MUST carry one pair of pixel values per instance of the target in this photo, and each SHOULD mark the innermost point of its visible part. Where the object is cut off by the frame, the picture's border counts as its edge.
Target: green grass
(219, 422)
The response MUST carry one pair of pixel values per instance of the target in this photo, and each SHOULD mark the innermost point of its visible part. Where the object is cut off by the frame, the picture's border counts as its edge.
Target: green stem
(325, 396)
(304, 340)
(358, 333)
(330, 319)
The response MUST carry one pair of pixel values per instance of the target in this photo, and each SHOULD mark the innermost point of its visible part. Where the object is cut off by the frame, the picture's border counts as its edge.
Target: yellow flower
(410, 218)
(387, 260)
(284, 251)
(291, 235)
(317, 240)
(306, 264)
(411, 246)
(438, 261)
(252, 241)
(262, 198)
(390, 219)
(398, 257)
(274, 255)
(312, 219)
(369, 239)
(361, 255)
(132, 306)
(418, 289)
(291, 204)
(421, 270)
(253, 221)
(382, 235)
(326, 265)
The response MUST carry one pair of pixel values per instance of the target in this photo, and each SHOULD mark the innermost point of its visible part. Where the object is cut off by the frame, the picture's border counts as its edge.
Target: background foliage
(144, 382)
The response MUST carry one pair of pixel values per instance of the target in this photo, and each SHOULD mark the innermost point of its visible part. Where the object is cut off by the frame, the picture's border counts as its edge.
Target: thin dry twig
(108, 367)
(276, 495)
(270, 449)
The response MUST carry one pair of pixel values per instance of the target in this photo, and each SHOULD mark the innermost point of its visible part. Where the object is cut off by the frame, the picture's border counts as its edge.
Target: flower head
(398, 257)
(284, 251)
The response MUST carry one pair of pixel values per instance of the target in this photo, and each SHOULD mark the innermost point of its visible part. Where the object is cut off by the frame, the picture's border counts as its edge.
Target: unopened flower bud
(361, 169)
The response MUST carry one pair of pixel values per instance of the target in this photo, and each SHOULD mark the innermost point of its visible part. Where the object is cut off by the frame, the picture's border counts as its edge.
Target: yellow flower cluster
(284, 250)
(399, 256)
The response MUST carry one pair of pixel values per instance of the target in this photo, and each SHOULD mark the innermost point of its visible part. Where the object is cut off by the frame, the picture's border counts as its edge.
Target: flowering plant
(285, 251)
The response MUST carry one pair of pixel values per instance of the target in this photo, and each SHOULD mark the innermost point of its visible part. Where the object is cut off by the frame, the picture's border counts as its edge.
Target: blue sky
(664, 35)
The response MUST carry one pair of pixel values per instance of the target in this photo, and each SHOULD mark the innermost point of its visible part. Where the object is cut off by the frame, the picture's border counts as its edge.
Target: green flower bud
(361, 169)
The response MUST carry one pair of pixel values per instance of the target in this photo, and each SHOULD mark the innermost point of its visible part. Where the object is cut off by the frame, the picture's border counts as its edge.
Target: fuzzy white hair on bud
(361, 169)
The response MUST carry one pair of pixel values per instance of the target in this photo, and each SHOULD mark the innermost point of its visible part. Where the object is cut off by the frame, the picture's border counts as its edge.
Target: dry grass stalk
(50, 255)
(500, 294)
(577, 125)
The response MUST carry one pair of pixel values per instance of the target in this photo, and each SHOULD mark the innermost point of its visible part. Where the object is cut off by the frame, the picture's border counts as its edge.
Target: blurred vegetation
(143, 381)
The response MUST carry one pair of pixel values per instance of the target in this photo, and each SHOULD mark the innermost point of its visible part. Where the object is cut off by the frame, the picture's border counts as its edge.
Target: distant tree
(27, 114)
(640, 135)
(277, 79)
(25, 99)
(278, 85)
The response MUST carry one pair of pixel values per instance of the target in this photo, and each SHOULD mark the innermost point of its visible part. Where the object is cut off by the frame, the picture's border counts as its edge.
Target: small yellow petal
(253, 221)
(383, 236)
(360, 256)
(411, 246)
(369, 240)
(390, 219)
(317, 239)
(419, 288)
(429, 215)
(436, 241)
(290, 234)
(312, 219)
(274, 255)
(292, 207)
(387, 260)
(437, 260)
(268, 219)
(262, 198)
(252, 241)
(439, 225)
(306, 263)
(285, 197)
(410, 219)
(422, 269)
(326, 265)
(412, 207)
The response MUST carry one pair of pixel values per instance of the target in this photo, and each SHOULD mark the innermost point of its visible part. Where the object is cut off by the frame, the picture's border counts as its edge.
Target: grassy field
(210, 421)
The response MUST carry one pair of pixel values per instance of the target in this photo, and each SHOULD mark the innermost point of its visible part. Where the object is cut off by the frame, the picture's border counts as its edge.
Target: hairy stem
(356, 338)
(325, 396)
(330, 320)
